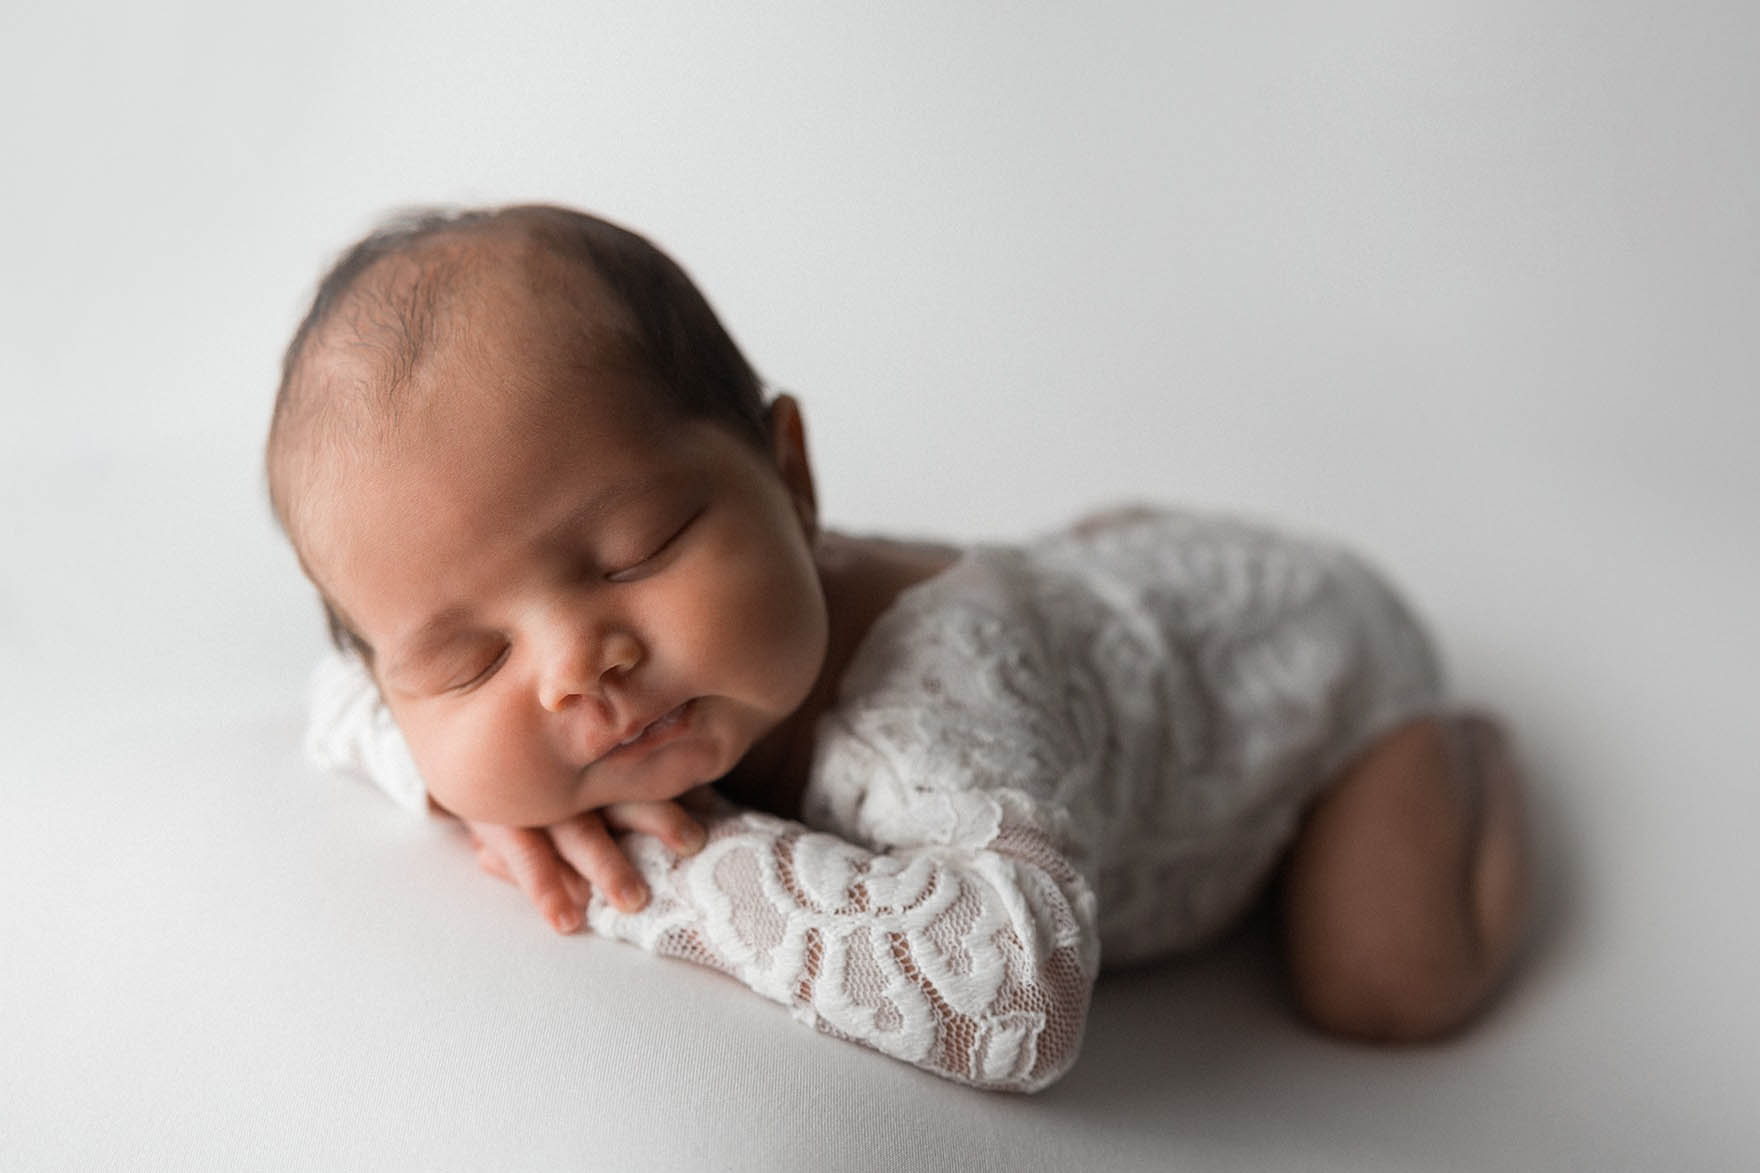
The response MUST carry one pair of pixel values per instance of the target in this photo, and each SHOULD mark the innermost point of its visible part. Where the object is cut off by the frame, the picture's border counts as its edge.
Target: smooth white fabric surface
(1471, 288)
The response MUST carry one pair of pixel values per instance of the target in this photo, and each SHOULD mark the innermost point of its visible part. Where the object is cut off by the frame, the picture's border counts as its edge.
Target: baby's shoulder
(950, 712)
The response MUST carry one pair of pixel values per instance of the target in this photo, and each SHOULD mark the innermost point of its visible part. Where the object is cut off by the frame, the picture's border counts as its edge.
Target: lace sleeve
(975, 965)
(350, 732)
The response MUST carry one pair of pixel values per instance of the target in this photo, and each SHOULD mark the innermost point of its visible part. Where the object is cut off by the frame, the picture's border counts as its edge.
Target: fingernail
(566, 921)
(631, 897)
(693, 839)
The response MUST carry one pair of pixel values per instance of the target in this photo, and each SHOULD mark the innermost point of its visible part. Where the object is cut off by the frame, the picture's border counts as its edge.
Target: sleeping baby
(572, 561)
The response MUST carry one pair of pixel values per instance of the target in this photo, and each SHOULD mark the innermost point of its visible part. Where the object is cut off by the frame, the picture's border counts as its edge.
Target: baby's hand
(558, 866)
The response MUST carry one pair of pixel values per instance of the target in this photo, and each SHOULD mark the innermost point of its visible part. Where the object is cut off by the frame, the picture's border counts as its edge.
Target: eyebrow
(594, 510)
(442, 626)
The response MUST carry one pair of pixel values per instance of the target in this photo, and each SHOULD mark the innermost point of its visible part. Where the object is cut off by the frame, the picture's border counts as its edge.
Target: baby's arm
(976, 965)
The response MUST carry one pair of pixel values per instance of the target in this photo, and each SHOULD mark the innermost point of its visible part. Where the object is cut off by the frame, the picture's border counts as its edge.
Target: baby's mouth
(661, 729)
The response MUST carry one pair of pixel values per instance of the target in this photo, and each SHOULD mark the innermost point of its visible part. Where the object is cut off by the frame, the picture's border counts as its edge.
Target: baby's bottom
(1405, 892)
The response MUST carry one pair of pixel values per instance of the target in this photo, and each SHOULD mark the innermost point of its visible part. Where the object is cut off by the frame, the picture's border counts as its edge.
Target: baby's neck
(861, 577)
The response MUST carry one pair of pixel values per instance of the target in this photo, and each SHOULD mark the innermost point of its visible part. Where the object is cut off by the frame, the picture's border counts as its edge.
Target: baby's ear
(788, 448)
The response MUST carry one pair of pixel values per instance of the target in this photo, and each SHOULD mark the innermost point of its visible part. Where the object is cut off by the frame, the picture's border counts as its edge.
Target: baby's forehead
(500, 381)
(479, 465)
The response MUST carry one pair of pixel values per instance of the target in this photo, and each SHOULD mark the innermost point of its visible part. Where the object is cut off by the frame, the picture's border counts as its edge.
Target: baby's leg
(1405, 894)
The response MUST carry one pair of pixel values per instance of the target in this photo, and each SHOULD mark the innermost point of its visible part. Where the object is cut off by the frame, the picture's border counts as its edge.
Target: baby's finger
(585, 843)
(536, 868)
(578, 889)
(666, 821)
(490, 861)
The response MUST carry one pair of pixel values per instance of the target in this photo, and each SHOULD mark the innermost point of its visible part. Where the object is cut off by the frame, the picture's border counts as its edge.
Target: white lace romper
(1092, 746)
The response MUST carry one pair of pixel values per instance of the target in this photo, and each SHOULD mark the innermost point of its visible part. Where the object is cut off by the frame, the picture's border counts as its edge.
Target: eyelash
(488, 671)
(628, 573)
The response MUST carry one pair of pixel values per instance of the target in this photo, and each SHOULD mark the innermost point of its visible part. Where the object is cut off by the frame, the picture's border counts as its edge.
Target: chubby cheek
(481, 769)
(764, 622)
(784, 634)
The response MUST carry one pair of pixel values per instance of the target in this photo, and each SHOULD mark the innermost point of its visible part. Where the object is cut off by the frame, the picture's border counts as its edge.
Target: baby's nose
(582, 665)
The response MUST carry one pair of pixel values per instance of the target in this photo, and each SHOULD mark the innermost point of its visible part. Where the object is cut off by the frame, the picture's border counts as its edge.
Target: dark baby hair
(675, 340)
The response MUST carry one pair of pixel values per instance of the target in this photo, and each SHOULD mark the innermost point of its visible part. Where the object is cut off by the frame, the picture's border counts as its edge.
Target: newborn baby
(572, 560)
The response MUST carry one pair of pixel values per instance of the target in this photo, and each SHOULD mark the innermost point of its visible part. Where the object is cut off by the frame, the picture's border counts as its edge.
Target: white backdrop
(1477, 287)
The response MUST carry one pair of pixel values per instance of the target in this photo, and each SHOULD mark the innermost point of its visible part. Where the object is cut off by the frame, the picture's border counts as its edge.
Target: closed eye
(650, 563)
(487, 671)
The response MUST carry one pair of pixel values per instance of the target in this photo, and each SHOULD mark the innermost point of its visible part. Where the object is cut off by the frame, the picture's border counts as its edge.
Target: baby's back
(1165, 691)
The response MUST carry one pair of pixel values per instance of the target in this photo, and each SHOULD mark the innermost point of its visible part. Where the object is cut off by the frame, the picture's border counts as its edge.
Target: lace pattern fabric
(1160, 694)
(974, 965)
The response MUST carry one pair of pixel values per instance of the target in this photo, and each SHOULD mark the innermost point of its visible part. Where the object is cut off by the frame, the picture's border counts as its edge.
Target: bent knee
(1406, 892)
(1389, 999)
(1387, 968)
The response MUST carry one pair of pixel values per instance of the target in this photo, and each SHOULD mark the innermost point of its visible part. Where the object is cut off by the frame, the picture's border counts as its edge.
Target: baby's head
(538, 489)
